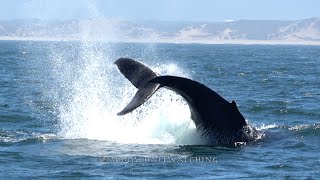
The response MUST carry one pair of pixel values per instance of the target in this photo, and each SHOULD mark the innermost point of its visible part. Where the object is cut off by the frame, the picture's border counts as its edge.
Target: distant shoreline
(165, 40)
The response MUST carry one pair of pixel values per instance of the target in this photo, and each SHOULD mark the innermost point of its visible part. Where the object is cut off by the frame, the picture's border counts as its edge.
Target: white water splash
(266, 127)
(89, 91)
(94, 91)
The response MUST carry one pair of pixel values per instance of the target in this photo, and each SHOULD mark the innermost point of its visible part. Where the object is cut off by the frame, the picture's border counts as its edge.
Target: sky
(165, 10)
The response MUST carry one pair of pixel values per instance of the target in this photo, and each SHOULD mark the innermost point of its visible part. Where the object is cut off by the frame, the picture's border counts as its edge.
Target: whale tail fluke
(139, 75)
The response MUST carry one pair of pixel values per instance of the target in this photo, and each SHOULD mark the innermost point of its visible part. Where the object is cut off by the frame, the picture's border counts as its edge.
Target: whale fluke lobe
(137, 73)
(216, 119)
(142, 95)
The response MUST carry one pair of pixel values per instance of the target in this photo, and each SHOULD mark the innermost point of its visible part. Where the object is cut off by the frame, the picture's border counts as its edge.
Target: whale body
(217, 121)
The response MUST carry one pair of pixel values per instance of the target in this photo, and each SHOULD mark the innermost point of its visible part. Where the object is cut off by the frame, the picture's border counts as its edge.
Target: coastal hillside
(307, 30)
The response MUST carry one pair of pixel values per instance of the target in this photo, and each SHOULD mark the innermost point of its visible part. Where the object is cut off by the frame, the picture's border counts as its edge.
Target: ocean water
(58, 105)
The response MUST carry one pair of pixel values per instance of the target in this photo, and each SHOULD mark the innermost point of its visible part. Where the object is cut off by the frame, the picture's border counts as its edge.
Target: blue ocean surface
(59, 100)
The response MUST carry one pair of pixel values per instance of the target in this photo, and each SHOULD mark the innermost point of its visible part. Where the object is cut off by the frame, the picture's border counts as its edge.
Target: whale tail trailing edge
(208, 109)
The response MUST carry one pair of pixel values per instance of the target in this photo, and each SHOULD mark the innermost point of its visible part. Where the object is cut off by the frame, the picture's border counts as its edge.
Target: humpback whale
(217, 120)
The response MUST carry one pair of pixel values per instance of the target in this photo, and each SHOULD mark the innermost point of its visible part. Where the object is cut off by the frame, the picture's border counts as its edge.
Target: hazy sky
(185, 10)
